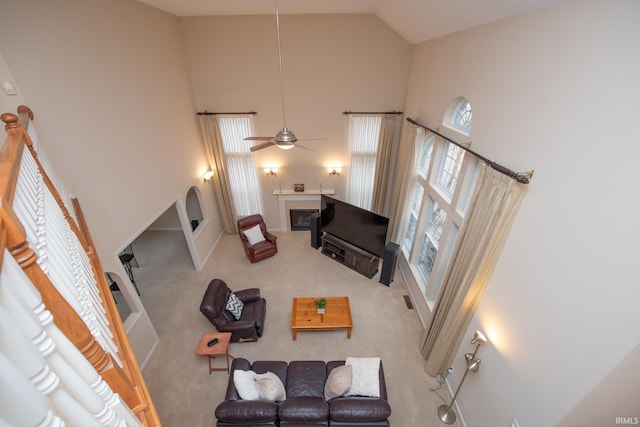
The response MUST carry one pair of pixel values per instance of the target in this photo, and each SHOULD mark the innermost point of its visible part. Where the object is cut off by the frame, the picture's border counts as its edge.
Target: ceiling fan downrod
(285, 135)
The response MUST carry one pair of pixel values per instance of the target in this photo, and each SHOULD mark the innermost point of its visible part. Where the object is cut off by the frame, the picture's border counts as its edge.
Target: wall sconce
(271, 171)
(446, 413)
(334, 171)
(206, 177)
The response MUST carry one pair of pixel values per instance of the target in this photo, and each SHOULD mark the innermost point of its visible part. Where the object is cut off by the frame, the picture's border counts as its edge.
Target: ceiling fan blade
(306, 148)
(261, 146)
(258, 138)
(311, 139)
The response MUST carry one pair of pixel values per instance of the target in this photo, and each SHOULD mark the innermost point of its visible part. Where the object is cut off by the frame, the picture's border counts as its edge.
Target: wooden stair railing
(122, 375)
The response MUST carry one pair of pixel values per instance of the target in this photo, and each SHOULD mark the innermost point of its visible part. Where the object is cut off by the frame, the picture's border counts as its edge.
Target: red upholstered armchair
(257, 241)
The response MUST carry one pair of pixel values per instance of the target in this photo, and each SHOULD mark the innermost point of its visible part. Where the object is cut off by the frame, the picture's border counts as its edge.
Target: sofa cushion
(359, 409)
(365, 372)
(247, 411)
(306, 379)
(303, 410)
(270, 387)
(338, 382)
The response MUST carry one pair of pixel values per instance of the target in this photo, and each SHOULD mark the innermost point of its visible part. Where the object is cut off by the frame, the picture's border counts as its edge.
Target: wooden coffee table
(305, 317)
(221, 348)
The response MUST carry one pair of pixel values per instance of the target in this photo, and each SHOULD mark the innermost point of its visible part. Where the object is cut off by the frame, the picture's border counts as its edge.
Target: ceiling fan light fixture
(285, 135)
(285, 146)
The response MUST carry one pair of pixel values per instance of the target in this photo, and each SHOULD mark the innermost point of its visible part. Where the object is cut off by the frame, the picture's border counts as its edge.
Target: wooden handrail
(10, 157)
(126, 381)
(128, 357)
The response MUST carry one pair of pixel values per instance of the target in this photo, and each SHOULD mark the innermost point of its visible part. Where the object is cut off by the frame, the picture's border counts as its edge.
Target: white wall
(331, 63)
(108, 87)
(556, 91)
(8, 103)
(616, 396)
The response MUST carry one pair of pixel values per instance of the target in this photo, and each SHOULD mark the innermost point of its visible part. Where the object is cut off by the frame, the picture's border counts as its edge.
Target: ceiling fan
(285, 139)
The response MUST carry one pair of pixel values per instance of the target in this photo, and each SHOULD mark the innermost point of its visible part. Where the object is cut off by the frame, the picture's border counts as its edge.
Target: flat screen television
(355, 225)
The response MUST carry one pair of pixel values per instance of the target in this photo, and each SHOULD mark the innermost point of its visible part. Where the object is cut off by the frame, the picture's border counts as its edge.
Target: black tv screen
(355, 225)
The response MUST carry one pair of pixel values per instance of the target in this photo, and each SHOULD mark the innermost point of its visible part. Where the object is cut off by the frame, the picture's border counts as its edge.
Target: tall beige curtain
(220, 180)
(364, 136)
(494, 206)
(411, 138)
(383, 163)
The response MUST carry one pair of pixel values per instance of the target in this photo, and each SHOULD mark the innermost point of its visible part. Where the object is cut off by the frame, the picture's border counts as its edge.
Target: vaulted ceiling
(414, 20)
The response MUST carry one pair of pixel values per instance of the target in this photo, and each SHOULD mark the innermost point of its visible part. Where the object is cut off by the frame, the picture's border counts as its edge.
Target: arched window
(440, 196)
(194, 210)
(462, 117)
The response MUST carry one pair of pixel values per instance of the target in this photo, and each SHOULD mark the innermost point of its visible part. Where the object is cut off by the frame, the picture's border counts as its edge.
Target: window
(425, 155)
(461, 117)
(450, 168)
(423, 169)
(441, 191)
(435, 226)
(364, 134)
(413, 217)
(193, 206)
(241, 165)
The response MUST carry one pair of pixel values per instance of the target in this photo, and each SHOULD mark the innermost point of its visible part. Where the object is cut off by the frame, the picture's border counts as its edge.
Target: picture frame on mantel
(298, 188)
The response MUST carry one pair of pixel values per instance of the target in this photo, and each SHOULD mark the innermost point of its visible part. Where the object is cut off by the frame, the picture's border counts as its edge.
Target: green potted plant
(320, 304)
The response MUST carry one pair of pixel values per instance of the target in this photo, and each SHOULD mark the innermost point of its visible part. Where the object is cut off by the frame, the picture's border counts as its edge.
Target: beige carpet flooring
(185, 394)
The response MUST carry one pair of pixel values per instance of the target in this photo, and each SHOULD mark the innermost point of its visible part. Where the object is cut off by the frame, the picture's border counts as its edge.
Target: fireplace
(301, 218)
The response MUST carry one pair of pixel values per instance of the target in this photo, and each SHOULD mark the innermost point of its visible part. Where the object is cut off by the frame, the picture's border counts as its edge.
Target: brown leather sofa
(262, 250)
(305, 403)
(251, 323)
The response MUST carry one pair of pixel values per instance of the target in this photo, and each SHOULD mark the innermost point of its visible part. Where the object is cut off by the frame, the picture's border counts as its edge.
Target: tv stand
(352, 256)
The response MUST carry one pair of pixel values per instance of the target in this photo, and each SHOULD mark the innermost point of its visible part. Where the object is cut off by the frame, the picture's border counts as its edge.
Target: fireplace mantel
(296, 194)
(289, 195)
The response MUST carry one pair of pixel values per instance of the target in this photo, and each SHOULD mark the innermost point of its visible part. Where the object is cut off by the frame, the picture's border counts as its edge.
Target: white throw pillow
(254, 235)
(270, 387)
(365, 379)
(235, 306)
(245, 384)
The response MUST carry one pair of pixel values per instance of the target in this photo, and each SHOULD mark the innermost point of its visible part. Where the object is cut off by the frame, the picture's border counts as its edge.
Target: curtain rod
(372, 112)
(521, 177)
(207, 113)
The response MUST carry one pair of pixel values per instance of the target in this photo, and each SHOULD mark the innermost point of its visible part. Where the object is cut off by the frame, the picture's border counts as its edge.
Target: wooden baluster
(65, 317)
(23, 304)
(127, 353)
(25, 114)
(130, 366)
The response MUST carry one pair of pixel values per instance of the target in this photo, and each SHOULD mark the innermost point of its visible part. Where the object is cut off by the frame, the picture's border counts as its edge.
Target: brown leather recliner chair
(259, 251)
(251, 323)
